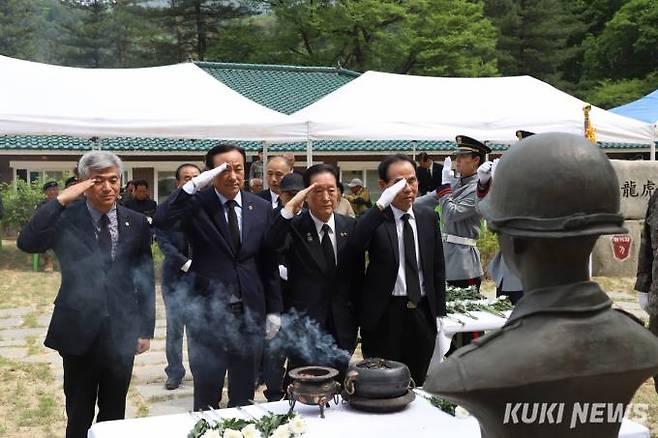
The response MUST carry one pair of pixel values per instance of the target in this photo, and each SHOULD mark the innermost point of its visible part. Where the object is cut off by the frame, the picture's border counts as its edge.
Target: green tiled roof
(124, 144)
(282, 88)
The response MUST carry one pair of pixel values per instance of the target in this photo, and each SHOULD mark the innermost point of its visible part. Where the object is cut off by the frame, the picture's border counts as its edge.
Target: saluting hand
(390, 193)
(484, 172)
(297, 202)
(73, 192)
(446, 173)
(493, 166)
(202, 180)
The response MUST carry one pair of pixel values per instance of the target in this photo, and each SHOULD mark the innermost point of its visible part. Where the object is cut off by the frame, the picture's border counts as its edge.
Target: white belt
(459, 240)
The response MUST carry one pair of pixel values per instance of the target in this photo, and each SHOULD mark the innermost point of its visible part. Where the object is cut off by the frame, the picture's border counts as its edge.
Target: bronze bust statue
(565, 363)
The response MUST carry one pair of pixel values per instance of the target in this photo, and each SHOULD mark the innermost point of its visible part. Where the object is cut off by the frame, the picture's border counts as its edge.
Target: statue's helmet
(551, 186)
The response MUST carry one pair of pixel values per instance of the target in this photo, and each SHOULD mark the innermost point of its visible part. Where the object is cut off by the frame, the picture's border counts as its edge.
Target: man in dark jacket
(105, 308)
(404, 288)
(324, 272)
(237, 295)
(176, 285)
(141, 201)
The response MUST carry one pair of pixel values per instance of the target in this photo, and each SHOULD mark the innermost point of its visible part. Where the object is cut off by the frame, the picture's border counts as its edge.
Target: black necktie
(105, 240)
(233, 227)
(328, 247)
(410, 262)
(278, 203)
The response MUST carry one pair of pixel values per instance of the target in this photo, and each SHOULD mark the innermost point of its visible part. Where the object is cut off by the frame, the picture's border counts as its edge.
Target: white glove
(390, 193)
(493, 166)
(272, 325)
(200, 181)
(643, 300)
(484, 173)
(446, 173)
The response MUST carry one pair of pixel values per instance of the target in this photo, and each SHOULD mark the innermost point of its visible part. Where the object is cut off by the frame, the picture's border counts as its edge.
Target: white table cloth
(458, 323)
(419, 419)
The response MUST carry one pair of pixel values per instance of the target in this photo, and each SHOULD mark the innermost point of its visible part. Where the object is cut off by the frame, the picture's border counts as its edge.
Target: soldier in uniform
(459, 216)
(563, 348)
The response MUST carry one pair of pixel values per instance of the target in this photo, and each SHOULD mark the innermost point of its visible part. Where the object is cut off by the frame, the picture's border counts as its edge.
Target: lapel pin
(309, 238)
(343, 234)
(127, 224)
(251, 207)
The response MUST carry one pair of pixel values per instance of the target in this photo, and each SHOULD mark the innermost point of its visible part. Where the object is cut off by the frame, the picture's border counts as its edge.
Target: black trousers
(513, 295)
(404, 335)
(175, 295)
(274, 370)
(232, 345)
(100, 376)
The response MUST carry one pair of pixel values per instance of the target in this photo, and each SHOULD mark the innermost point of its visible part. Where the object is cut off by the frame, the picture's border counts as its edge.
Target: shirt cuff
(286, 214)
(483, 189)
(186, 266)
(443, 190)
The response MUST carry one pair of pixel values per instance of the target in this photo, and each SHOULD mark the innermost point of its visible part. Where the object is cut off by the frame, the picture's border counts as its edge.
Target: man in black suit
(277, 168)
(141, 201)
(404, 287)
(176, 285)
(105, 308)
(323, 271)
(428, 174)
(236, 296)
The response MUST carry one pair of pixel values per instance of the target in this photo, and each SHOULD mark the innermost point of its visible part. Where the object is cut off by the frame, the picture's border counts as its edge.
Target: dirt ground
(32, 402)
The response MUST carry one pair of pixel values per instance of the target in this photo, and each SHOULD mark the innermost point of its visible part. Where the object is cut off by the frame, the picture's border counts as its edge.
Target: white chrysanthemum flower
(461, 412)
(297, 426)
(211, 433)
(250, 431)
(281, 432)
(230, 433)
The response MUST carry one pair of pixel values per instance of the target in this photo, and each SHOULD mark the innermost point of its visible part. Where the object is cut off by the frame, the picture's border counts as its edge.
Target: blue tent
(645, 108)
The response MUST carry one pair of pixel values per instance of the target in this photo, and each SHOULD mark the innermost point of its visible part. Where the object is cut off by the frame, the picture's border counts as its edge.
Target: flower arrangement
(269, 426)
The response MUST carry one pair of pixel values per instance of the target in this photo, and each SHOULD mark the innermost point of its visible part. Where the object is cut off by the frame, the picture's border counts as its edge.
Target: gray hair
(98, 160)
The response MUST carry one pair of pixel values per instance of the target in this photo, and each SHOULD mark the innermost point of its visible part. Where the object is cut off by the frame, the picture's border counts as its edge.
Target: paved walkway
(147, 394)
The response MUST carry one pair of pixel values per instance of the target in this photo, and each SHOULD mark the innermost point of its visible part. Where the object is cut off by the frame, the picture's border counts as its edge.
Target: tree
(533, 36)
(198, 24)
(628, 45)
(17, 27)
(444, 37)
(88, 40)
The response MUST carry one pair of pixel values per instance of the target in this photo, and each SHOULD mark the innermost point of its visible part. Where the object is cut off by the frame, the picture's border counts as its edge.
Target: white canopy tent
(385, 106)
(177, 101)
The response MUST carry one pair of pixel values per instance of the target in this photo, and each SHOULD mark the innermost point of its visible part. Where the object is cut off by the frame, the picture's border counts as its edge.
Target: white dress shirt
(332, 232)
(400, 289)
(275, 199)
(238, 211)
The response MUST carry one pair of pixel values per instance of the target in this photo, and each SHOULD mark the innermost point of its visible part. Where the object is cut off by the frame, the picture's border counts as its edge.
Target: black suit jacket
(125, 293)
(218, 269)
(313, 287)
(427, 182)
(173, 245)
(376, 232)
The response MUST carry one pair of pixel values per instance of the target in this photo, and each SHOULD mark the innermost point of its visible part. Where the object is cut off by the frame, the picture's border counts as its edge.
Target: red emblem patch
(621, 246)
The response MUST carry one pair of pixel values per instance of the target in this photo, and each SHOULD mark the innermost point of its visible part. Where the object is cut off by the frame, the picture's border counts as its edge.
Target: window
(166, 184)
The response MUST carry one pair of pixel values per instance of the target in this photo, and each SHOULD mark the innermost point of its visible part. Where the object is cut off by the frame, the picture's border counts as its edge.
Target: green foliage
(612, 93)
(628, 45)
(19, 200)
(487, 245)
(416, 36)
(534, 36)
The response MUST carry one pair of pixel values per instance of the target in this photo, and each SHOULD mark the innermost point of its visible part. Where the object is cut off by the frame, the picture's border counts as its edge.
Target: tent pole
(265, 185)
(309, 153)
(652, 155)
